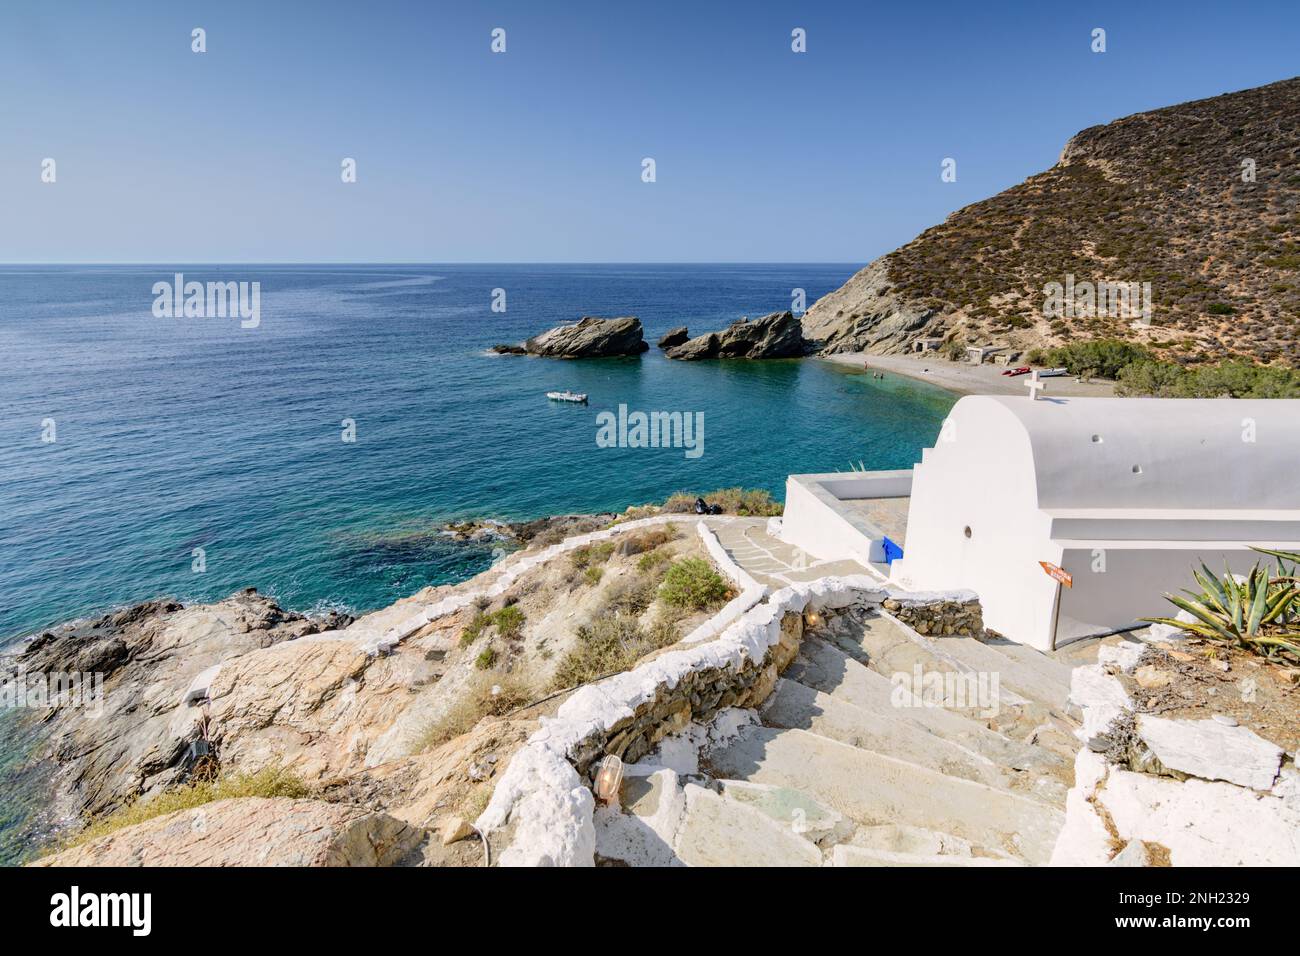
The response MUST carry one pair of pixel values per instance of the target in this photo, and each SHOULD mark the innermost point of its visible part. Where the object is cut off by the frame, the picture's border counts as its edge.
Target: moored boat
(567, 396)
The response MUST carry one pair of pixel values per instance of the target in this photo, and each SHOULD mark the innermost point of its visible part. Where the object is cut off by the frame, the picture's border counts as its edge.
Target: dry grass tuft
(270, 782)
(734, 501)
(478, 701)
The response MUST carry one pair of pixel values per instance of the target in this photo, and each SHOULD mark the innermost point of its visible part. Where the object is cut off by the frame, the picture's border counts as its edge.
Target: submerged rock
(590, 337)
(777, 335)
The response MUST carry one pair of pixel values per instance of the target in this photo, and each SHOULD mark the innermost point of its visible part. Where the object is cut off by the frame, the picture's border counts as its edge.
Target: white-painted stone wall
(541, 794)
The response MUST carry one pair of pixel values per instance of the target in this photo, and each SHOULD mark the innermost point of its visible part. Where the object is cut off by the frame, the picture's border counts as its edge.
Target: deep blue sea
(177, 434)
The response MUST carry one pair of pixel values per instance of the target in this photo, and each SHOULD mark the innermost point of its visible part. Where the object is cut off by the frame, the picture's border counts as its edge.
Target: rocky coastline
(194, 693)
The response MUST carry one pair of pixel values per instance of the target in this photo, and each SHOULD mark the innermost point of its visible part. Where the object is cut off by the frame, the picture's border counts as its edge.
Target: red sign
(1058, 573)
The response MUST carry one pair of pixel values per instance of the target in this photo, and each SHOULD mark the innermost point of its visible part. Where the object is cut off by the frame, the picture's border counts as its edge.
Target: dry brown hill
(1156, 197)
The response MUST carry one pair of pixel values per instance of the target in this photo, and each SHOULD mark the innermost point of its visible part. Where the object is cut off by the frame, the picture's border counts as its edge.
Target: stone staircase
(844, 766)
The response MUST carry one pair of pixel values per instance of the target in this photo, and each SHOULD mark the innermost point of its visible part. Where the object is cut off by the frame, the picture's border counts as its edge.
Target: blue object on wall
(892, 550)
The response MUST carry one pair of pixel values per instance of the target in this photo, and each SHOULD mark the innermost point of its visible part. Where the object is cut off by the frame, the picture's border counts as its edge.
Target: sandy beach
(967, 379)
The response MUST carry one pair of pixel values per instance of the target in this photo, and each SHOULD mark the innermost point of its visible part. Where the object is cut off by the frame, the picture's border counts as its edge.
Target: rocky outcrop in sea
(776, 335)
(674, 336)
(590, 337)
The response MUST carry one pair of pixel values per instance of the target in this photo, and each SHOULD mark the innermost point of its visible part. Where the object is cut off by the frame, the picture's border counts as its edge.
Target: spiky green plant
(1256, 613)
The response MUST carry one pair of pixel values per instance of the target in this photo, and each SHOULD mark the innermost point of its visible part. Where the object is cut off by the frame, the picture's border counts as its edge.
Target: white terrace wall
(543, 793)
(815, 522)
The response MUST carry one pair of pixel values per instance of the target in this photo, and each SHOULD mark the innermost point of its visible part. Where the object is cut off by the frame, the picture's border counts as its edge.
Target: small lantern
(812, 619)
(609, 777)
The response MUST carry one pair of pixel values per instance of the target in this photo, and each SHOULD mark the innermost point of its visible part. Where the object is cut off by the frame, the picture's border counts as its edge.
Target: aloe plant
(1255, 613)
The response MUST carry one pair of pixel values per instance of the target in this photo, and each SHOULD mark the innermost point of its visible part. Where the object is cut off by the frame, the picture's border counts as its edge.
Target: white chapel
(1069, 517)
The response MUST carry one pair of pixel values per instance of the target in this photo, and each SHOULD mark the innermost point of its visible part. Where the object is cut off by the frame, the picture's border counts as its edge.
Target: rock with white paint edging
(1084, 839)
(1212, 750)
(1124, 655)
(1100, 697)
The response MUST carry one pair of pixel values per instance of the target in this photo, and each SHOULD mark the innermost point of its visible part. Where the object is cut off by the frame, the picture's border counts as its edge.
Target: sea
(318, 455)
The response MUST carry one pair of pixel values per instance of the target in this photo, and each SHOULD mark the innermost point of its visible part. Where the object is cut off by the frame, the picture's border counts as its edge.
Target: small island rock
(675, 336)
(777, 335)
(590, 337)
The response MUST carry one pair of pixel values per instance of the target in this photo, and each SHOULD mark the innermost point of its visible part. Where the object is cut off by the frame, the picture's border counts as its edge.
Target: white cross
(1034, 385)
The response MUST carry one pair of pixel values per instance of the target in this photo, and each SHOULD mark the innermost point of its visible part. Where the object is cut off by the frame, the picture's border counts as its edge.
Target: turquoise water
(176, 434)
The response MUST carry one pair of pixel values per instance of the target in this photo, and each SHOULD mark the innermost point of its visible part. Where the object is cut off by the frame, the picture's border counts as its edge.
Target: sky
(536, 154)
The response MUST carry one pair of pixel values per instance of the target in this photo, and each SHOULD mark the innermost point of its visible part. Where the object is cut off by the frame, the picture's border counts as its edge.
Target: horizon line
(448, 262)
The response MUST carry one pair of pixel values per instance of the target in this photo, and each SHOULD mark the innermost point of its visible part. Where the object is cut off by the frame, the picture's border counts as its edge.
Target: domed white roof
(1144, 453)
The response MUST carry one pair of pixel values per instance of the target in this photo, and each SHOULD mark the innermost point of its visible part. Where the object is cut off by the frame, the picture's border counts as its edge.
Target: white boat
(1052, 372)
(567, 396)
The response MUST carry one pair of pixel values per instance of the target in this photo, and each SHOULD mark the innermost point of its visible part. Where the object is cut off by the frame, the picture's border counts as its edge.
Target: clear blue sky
(164, 155)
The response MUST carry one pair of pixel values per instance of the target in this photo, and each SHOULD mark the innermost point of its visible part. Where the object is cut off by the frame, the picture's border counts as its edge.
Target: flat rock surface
(1212, 750)
(253, 831)
(721, 832)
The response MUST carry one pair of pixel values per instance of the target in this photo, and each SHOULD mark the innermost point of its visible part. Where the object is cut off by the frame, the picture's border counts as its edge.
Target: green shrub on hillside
(509, 622)
(1101, 357)
(653, 559)
(584, 557)
(693, 583)
(1227, 379)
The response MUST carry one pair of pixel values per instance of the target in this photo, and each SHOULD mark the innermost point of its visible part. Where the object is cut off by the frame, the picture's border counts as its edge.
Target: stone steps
(874, 789)
(792, 808)
(823, 667)
(662, 822)
(848, 768)
(889, 648)
(796, 706)
(716, 831)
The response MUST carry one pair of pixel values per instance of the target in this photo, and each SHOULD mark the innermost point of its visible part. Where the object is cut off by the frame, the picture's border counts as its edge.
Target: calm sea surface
(177, 434)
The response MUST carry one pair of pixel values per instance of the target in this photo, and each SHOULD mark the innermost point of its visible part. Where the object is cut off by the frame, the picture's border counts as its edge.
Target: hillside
(1156, 197)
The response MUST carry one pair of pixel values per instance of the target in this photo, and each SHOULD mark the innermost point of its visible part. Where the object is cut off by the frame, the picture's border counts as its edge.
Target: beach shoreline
(965, 379)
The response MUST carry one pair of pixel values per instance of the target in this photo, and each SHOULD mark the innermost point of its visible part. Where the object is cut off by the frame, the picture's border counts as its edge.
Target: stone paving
(773, 562)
